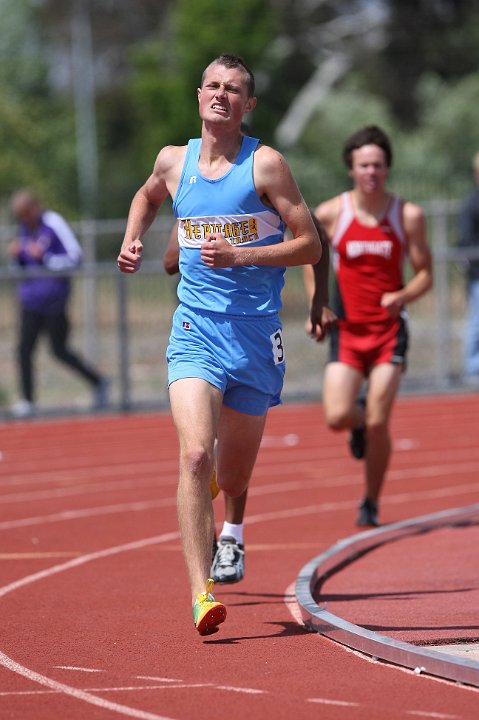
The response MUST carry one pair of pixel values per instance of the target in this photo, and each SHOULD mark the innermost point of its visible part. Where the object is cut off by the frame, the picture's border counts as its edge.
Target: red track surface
(96, 619)
(435, 606)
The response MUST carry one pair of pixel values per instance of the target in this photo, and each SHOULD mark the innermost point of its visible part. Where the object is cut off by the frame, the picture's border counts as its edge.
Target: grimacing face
(223, 96)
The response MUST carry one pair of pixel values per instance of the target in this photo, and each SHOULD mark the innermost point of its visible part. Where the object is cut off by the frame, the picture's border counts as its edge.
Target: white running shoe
(228, 563)
(23, 409)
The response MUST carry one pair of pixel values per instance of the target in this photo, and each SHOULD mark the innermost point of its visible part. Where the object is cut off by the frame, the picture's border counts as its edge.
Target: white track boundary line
(266, 468)
(135, 506)
(76, 693)
(10, 664)
(289, 599)
(175, 685)
(139, 506)
(83, 559)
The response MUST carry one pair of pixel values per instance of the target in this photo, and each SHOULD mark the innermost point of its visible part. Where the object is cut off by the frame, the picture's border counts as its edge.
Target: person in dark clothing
(45, 240)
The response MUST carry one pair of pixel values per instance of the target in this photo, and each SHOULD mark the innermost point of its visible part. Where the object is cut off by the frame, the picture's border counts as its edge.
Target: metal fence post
(88, 241)
(441, 280)
(123, 342)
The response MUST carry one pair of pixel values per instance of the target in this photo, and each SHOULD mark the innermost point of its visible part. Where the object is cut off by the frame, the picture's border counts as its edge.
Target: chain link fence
(121, 324)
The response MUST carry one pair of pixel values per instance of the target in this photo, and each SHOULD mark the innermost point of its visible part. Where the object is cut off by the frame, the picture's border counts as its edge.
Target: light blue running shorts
(242, 356)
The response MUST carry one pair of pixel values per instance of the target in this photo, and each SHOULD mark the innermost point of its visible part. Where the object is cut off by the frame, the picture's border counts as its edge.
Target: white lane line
(76, 693)
(10, 664)
(133, 688)
(153, 678)
(452, 491)
(182, 685)
(439, 716)
(31, 475)
(21, 693)
(146, 542)
(140, 506)
(406, 444)
(326, 475)
(158, 474)
(86, 489)
(89, 557)
(61, 687)
(289, 599)
(289, 440)
(37, 555)
(78, 669)
(436, 470)
(247, 691)
(444, 492)
(326, 701)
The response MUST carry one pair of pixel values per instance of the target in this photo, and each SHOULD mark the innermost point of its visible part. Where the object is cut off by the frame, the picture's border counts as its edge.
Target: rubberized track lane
(451, 573)
(94, 602)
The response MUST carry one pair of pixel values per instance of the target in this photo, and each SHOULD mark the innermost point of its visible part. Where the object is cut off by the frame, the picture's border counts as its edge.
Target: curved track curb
(344, 552)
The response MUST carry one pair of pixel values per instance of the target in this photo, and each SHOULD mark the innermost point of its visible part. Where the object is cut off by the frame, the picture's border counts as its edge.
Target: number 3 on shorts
(278, 349)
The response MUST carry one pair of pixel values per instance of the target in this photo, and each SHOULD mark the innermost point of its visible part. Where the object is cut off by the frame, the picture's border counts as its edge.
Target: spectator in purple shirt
(45, 240)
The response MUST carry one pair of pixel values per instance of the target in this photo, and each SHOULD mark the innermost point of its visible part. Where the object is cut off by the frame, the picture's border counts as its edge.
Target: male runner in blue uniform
(228, 559)
(233, 198)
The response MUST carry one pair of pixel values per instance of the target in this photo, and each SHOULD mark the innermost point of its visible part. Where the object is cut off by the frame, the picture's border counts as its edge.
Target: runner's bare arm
(145, 205)
(419, 257)
(316, 280)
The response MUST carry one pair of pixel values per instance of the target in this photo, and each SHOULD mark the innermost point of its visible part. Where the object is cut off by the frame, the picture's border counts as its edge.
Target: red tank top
(368, 261)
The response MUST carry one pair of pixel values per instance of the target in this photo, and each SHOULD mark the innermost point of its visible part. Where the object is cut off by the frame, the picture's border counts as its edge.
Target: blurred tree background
(90, 91)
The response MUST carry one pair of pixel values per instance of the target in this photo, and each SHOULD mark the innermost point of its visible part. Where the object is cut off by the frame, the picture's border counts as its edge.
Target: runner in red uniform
(371, 232)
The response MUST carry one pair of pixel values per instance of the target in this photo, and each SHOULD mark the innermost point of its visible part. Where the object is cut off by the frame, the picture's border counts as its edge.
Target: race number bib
(278, 348)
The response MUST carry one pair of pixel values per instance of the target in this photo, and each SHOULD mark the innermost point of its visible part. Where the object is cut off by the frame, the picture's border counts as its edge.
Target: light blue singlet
(229, 205)
(226, 329)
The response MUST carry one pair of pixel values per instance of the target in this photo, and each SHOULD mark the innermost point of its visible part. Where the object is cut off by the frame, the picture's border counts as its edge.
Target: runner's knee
(197, 461)
(338, 419)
